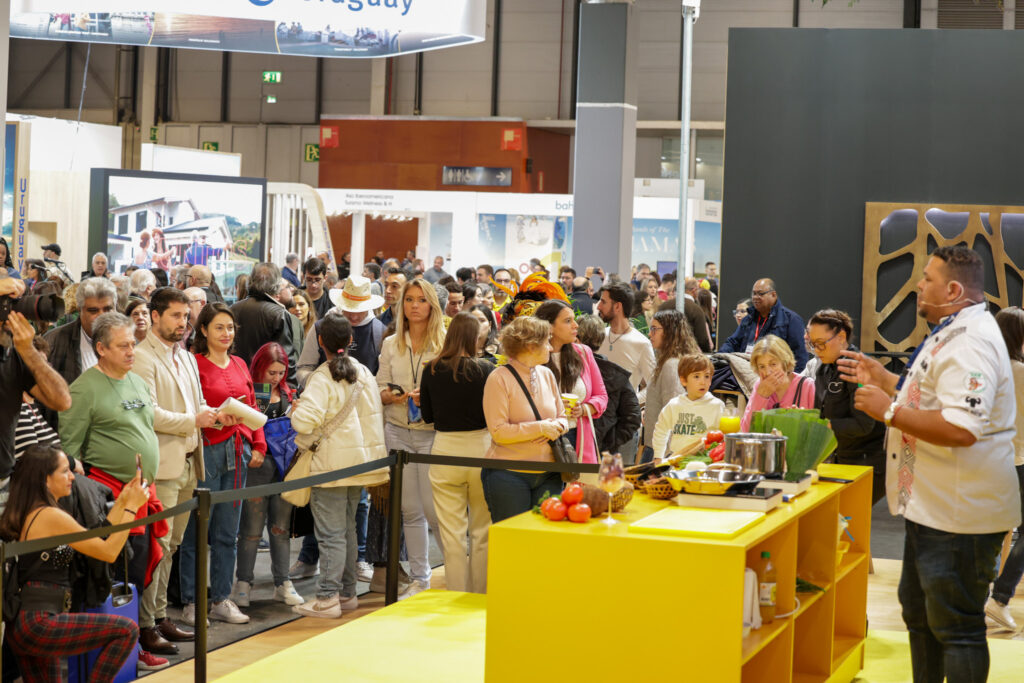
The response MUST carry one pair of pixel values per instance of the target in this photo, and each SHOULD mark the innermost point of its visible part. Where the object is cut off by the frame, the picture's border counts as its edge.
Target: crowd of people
(128, 392)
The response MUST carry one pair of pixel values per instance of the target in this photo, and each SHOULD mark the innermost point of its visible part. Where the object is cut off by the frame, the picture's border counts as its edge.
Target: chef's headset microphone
(956, 301)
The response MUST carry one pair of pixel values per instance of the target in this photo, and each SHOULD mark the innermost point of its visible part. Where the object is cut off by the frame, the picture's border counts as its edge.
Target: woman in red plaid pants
(44, 633)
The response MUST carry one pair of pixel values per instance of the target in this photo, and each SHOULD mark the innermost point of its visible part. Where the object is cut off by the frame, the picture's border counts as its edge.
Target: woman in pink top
(577, 373)
(516, 433)
(778, 386)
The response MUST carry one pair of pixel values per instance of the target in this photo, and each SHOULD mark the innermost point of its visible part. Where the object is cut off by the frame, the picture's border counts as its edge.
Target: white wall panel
(196, 96)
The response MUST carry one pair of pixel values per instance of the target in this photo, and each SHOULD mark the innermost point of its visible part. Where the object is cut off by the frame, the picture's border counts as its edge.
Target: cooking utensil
(756, 453)
(717, 479)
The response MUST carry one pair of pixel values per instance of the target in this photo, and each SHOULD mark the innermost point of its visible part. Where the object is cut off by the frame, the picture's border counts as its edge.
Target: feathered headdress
(535, 290)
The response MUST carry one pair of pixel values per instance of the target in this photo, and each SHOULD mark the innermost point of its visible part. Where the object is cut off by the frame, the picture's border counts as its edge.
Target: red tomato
(714, 436)
(546, 505)
(556, 510)
(717, 453)
(580, 512)
(572, 494)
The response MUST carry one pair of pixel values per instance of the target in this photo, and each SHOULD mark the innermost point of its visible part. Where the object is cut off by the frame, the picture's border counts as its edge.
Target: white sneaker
(323, 608)
(240, 593)
(349, 604)
(188, 614)
(301, 570)
(414, 588)
(229, 612)
(364, 572)
(1000, 614)
(286, 593)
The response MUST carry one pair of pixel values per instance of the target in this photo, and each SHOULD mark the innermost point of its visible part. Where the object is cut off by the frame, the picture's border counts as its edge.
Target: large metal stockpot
(763, 453)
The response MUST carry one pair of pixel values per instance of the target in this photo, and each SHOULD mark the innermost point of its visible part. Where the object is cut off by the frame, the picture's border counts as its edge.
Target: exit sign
(211, 146)
(312, 152)
(271, 76)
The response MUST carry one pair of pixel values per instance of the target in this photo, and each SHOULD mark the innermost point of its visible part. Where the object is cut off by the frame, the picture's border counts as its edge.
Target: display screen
(340, 28)
(163, 220)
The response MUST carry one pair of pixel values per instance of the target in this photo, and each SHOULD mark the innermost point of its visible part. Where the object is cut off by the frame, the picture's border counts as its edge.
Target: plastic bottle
(766, 580)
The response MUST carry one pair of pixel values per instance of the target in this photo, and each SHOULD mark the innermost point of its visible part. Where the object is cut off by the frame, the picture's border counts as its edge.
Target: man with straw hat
(356, 301)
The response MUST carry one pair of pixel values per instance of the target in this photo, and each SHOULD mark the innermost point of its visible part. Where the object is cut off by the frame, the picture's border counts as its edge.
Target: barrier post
(394, 527)
(202, 564)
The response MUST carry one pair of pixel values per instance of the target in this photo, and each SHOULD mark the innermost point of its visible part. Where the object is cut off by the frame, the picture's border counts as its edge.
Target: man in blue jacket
(767, 316)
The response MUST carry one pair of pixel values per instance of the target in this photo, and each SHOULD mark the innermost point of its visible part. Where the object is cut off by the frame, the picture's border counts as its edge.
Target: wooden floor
(883, 614)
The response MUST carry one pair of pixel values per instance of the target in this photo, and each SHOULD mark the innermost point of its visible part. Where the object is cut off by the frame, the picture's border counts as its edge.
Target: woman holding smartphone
(418, 338)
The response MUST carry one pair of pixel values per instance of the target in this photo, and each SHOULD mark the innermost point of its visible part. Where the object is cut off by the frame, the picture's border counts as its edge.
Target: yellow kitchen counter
(615, 604)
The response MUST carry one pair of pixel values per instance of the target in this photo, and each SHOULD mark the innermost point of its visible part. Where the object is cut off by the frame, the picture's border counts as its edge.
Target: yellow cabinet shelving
(610, 604)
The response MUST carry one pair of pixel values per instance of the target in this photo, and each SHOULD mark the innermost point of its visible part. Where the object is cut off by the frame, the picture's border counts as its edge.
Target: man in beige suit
(180, 413)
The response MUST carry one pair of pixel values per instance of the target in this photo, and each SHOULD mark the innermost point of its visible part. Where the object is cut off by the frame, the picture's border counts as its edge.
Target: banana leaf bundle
(809, 440)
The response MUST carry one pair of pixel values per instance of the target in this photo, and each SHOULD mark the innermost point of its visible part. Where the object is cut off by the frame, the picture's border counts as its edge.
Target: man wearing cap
(51, 251)
(356, 301)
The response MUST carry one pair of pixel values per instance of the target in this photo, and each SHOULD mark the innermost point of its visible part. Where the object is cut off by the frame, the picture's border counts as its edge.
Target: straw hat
(355, 297)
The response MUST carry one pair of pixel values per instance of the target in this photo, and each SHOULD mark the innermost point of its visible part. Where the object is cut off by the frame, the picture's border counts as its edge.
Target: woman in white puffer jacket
(341, 388)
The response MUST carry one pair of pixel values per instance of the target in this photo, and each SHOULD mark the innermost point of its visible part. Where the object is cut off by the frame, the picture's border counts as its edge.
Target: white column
(358, 256)
(378, 85)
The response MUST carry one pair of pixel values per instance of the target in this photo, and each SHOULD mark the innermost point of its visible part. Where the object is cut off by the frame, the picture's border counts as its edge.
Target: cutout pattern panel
(897, 235)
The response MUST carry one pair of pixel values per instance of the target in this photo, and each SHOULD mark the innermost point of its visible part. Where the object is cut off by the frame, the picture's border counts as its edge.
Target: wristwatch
(894, 408)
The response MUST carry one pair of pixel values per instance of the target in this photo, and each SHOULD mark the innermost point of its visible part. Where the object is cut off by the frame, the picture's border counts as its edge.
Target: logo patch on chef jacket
(974, 382)
(973, 401)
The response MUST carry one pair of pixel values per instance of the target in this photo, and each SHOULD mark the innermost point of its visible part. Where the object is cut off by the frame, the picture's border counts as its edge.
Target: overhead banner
(315, 28)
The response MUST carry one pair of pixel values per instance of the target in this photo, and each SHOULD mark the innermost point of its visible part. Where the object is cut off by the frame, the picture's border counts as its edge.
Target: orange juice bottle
(766, 588)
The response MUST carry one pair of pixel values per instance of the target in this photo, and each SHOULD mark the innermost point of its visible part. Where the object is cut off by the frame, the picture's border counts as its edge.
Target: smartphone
(138, 462)
(395, 389)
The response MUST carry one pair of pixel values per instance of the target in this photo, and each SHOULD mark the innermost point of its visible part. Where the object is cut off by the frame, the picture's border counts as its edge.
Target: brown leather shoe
(174, 633)
(151, 641)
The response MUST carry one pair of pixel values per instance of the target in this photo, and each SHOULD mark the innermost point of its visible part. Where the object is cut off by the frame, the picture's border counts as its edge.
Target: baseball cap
(55, 248)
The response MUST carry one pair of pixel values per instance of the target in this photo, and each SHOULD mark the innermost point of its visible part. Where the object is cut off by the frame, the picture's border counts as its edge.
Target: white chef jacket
(964, 371)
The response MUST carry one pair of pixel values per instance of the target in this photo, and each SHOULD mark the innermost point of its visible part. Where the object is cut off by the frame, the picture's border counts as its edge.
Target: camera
(42, 307)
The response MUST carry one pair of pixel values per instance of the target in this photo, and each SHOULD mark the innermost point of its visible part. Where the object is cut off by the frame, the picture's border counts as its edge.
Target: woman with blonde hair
(777, 385)
(418, 339)
(516, 433)
(304, 309)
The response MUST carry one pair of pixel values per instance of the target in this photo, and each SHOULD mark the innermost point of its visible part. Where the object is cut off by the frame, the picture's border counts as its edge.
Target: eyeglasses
(757, 295)
(313, 280)
(504, 281)
(197, 301)
(134, 404)
(739, 312)
(819, 345)
(654, 329)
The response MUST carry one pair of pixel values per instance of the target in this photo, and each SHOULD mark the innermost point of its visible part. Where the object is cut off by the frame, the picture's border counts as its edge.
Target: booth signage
(312, 152)
(211, 146)
(335, 28)
(476, 176)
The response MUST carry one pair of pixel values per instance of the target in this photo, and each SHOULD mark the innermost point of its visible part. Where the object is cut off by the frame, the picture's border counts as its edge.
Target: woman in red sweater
(228, 451)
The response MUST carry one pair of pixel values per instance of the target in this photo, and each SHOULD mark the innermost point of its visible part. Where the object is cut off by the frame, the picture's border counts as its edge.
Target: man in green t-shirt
(111, 415)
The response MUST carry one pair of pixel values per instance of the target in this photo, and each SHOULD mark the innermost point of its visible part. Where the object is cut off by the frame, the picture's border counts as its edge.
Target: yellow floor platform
(436, 635)
(887, 659)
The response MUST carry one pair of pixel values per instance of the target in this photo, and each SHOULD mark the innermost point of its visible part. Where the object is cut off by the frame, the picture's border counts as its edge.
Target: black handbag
(560, 447)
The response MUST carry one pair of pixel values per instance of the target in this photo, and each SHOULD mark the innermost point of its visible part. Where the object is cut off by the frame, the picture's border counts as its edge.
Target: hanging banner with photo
(339, 28)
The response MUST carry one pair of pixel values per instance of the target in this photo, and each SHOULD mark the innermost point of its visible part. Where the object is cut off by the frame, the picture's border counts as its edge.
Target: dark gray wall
(821, 121)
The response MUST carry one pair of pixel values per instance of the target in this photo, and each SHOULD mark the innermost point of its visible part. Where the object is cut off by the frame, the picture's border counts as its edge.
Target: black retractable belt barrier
(204, 500)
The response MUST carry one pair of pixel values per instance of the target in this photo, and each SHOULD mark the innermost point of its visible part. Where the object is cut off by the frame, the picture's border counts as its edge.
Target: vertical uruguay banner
(317, 28)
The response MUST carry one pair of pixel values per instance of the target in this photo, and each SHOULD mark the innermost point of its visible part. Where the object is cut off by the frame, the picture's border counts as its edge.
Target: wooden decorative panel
(897, 240)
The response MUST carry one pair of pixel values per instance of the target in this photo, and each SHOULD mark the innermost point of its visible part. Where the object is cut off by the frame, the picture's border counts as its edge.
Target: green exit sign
(312, 152)
(211, 146)
(271, 76)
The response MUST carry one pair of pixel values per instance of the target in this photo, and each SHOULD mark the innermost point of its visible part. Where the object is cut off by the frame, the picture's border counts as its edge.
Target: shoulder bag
(560, 447)
(303, 460)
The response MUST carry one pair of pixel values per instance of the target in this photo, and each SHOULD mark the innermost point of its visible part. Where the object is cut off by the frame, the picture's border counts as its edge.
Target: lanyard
(910, 364)
(757, 330)
(413, 367)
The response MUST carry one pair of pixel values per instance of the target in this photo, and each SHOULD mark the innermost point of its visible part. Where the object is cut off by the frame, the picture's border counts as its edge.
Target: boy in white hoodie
(689, 416)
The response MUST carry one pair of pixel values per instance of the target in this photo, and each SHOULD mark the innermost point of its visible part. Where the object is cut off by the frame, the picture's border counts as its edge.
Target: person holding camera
(22, 369)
